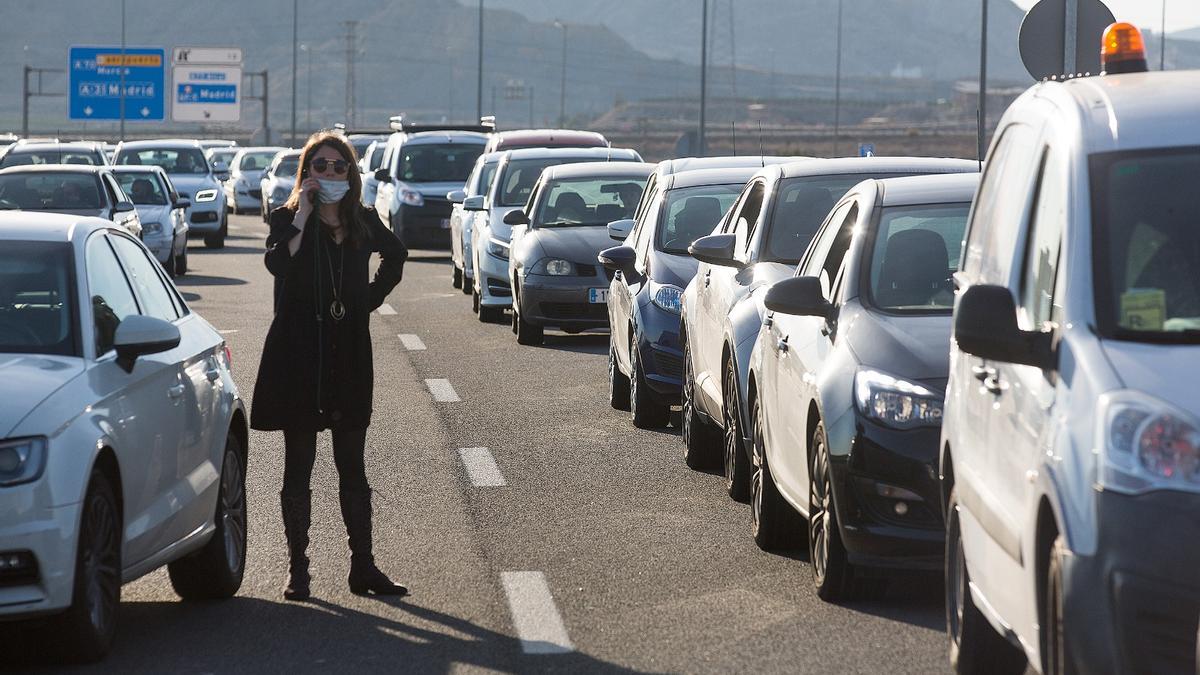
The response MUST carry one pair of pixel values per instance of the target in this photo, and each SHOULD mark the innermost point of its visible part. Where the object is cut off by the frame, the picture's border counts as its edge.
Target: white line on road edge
(538, 624)
(442, 391)
(228, 332)
(386, 310)
(481, 467)
(412, 343)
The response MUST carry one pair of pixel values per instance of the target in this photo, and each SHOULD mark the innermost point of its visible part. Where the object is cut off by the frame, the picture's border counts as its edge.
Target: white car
(370, 162)
(1071, 435)
(163, 214)
(278, 180)
(184, 162)
(243, 192)
(123, 439)
(462, 221)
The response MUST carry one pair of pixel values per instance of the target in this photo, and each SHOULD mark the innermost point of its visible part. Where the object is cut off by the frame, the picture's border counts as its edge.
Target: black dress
(317, 372)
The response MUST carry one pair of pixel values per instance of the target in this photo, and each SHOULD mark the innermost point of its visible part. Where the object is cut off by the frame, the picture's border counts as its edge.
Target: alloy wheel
(820, 518)
(233, 511)
(758, 472)
(100, 563)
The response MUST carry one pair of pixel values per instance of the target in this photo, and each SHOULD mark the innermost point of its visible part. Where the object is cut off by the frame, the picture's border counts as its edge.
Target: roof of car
(450, 136)
(136, 168)
(56, 168)
(598, 170)
(288, 153)
(668, 167)
(581, 153)
(34, 146)
(41, 226)
(540, 138)
(724, 176)
(932, 189)
(161, 143)
(261, 148)
(842, 165)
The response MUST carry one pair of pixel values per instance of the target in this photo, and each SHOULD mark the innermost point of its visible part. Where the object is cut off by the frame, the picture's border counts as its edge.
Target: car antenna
(733, 128)
(761, 158)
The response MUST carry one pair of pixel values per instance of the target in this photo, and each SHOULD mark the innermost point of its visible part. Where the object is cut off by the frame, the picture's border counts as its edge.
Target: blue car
(649, 273)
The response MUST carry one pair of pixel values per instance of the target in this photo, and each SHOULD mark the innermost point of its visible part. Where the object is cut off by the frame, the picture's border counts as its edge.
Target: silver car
(123, 440)
(372, 159)
(462, 220)
(75, 190)
(278, 180)
(184, 162)
(163, 214)
(243, 191)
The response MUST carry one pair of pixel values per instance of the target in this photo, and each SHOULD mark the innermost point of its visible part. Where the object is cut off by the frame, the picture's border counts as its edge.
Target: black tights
(300, 451)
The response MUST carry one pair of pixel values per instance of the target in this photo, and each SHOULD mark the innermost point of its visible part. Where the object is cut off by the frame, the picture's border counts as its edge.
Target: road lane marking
(481, 467)
(539, 625)
(412, 343)
(442, 391)
(228, 332)
(386, 310)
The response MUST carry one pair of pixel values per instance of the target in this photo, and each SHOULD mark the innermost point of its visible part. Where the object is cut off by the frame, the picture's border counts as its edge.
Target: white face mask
(332, 191)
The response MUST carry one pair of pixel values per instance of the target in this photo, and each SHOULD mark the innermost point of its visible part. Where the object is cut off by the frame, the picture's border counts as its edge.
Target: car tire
(645, 412)
(172, 263)
(975, 647)
(456, 277)
(215, 571)
(774, 523)
(527, 333)
(181, 262)
(490, 314)
(1056, 659)
(86, 630)
(737, 463)
(701, 442)
(215, 241)
(834, 576)
(618, 383)
(467, 285)
(474, 301)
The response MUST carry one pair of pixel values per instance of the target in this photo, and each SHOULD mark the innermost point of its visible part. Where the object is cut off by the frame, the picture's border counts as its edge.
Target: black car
(847, 382)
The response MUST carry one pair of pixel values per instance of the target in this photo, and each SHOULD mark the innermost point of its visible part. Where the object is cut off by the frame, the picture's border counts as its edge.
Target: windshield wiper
(571, 224)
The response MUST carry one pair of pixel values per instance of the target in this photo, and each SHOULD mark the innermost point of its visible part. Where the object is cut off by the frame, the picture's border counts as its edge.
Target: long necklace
(337, 309)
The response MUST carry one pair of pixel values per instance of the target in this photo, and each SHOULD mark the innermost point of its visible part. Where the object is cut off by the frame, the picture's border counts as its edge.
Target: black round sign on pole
(1043, 38)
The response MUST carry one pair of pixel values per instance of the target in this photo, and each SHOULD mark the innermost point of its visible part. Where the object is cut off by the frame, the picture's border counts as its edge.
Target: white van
(1071, 440)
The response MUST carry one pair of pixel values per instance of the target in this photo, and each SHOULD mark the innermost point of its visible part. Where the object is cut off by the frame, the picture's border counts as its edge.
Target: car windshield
(484, 184)
(48, 191)
(914, 253)
(256, 161)
(438, 162)
(521, 175)
(360, 145)
(287, 167)
(691, 213)
(80, 157)
(172, 160)
(589, 201)
(143, 189)
(36, 312)
(1146, 219)
(800, 209)
(376, 158)
(221, 156)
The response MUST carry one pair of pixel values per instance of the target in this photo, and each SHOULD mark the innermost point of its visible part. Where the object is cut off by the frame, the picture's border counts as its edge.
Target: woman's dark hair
(349, 209)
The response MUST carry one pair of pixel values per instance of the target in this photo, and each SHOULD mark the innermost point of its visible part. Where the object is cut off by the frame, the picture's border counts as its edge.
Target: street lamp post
(307, 87)
(837, 86)
(123, 66)
(295, 70)
(562, 88)
(700, 142)
(479, 73)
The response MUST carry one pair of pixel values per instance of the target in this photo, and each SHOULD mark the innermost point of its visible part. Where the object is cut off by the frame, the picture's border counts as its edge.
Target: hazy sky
(1148, 13)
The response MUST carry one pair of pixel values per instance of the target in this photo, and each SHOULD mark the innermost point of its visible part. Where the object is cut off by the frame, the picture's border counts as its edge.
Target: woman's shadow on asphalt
(252, 635)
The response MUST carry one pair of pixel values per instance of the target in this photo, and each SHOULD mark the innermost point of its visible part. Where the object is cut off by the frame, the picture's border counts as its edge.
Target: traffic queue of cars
(904, 364)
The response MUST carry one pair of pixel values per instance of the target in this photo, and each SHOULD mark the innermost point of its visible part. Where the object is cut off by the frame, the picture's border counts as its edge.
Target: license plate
(445, 223)
(597, 295)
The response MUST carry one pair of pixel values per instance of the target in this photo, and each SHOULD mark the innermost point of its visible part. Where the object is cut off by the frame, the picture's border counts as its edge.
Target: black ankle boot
(297, 516)
(365, 577)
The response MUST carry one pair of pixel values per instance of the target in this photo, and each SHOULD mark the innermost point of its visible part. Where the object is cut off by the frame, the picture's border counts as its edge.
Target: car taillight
(228, 357)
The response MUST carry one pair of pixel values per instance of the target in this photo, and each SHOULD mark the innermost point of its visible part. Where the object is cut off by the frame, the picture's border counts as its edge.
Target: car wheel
(216, 570)
(181, 262)
(490, 314)
(644, 410)
(467, 285)
(172, 263)
(474, 301)
(975, 647)
(528, 333)
(774, 523)
(456, 277)
(737, 464)
(618, 384)
(89, 625)
(1056, 660)
(701, 442)
(214, 241)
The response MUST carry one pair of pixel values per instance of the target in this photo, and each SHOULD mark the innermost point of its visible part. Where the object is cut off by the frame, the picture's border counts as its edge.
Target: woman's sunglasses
(339, 165)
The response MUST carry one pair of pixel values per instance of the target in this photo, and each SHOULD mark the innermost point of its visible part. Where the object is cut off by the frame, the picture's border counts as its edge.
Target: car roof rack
(486, 125)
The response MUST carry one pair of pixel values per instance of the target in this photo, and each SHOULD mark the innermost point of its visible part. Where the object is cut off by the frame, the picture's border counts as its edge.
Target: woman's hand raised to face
(309, 188)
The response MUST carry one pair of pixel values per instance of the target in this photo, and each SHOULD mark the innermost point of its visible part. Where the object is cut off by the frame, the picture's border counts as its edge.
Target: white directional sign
(206, 84)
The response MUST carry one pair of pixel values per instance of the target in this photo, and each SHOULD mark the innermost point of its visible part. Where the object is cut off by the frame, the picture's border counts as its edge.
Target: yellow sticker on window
(1144, 309)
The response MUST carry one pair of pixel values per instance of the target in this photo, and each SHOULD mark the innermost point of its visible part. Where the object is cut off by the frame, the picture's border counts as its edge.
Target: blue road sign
(866, 149)
(95, 83)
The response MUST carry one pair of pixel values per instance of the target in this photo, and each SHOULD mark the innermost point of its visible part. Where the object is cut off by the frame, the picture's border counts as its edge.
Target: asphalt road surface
(537, 529)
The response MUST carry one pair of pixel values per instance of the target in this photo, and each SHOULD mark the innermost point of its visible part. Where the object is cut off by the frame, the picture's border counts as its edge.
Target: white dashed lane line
(229, 331)
(412, 343)
(442, 391)
(481, 467)
(386, 310)
(539, 625)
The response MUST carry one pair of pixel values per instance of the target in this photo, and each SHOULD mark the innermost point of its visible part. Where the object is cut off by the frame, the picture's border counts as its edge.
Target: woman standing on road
(317, 371)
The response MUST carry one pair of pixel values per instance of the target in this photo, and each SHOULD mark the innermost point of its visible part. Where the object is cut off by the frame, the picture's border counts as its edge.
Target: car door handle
(994, 385)
(175, 392)
(213, 374)
(769, 321)
(982, 373)
(782, 344)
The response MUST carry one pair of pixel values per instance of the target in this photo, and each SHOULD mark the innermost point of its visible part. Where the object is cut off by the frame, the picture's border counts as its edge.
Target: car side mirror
(618, 258)
(516, 217)
(618, 230)
(456, 196)
(715, 249)
(985, 325)
(183, 204)
(473, 203)
(383, 176)
(140, 335)
(799, 296)
(124, 207)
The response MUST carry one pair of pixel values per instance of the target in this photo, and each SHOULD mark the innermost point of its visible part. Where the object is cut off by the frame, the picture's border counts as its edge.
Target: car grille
(583, 311)
(257, 194)
(669, 365)
(1158, 624)
(585, 270)
(204, 216)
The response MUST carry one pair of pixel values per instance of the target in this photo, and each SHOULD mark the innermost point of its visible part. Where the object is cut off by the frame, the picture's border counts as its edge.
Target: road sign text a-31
(95, 87)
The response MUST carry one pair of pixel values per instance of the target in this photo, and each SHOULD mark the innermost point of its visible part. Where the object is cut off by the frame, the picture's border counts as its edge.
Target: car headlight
(896, 402)
(497, 248)
(555, 267)
(206, 195)
(22, 460)
(152, 228)
(412, 198)
(1146, 444)
(280, 193)
(667, 297)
